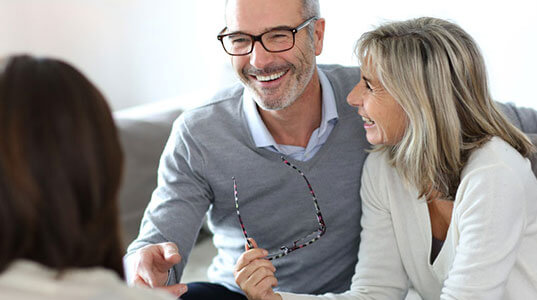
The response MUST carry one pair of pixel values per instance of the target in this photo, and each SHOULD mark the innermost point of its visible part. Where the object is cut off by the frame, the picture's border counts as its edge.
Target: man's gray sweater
(211, 144)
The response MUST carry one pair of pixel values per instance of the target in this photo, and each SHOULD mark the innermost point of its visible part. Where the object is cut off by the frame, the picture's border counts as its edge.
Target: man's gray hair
(310, 8)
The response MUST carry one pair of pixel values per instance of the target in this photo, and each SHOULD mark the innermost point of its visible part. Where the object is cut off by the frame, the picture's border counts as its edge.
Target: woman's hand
(255, 275)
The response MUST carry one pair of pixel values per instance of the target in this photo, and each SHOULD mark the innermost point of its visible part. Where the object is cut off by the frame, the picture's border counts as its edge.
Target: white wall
(135, 51)
(506, 32)
(139, 51)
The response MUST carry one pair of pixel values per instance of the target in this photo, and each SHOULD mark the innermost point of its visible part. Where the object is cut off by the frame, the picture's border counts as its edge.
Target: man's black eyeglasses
(278, 39)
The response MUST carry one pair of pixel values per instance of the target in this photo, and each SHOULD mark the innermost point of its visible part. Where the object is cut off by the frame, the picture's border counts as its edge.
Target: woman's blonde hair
(435, 71)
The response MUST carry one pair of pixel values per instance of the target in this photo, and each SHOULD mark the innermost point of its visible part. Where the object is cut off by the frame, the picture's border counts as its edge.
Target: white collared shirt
(263, 139)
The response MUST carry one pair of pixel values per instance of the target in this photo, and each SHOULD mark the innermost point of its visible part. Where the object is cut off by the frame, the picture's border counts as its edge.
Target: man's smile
(270, 77)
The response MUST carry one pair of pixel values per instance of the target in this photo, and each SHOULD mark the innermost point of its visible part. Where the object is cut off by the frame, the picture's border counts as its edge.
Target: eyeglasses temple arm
(236, 195)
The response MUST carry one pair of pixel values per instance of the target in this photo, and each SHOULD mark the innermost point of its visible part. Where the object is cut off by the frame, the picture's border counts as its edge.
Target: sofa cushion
(143, 133)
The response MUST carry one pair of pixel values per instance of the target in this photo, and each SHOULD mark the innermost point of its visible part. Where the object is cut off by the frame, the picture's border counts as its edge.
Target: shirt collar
(261, 135)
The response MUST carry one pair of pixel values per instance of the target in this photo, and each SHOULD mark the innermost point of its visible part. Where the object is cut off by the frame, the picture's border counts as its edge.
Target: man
(286, 106)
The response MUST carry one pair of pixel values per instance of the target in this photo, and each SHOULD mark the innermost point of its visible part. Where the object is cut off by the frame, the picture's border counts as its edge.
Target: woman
(448, 195)
(60, 169)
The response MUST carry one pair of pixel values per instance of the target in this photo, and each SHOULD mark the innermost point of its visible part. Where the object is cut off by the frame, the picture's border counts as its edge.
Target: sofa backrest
(143, 134)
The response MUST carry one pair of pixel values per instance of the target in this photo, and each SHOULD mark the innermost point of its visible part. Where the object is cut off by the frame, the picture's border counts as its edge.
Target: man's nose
(260, 57)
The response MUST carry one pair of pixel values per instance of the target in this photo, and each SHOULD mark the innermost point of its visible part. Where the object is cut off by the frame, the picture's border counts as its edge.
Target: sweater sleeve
(180, 201)
(489, 217)
(379, 273)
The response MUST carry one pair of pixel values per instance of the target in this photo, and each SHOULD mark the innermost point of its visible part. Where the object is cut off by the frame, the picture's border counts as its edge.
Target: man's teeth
(270, 77)
(368, 121)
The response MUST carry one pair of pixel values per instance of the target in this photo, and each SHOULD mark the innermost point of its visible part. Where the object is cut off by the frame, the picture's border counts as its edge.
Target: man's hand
(255, 275)
(151, 264)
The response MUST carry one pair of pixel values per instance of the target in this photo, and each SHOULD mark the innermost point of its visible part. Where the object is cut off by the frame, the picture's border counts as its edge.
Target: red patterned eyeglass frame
(284, 250)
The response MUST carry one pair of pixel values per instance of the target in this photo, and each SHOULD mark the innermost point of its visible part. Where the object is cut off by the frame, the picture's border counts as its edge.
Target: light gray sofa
(143, 132)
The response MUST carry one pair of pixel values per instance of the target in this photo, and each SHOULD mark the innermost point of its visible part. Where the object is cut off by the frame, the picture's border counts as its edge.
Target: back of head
(60, 168)
(434, 69)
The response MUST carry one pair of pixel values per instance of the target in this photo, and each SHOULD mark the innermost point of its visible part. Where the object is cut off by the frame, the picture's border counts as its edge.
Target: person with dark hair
(60, 171)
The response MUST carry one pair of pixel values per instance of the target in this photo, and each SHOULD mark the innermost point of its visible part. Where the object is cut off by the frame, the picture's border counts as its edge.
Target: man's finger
(247, 257)
(165, 256)
(147, 277)
(260, 274)
(138, 281)
(252, 242)
(259, 284)
(170, 252)
(152, 268)
(149, 266)
(267, 283)
(256, 266)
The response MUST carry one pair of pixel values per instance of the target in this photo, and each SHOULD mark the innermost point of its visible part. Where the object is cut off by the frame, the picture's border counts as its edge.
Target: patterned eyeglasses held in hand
(301, 243)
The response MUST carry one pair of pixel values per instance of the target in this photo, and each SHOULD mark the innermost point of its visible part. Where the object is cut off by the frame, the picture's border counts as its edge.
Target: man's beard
(294, 86)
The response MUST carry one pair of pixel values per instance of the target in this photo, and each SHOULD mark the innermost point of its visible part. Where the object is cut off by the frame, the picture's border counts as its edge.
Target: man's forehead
(256, 16)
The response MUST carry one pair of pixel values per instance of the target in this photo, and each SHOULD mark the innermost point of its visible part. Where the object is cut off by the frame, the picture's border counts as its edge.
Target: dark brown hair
(60, 168)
